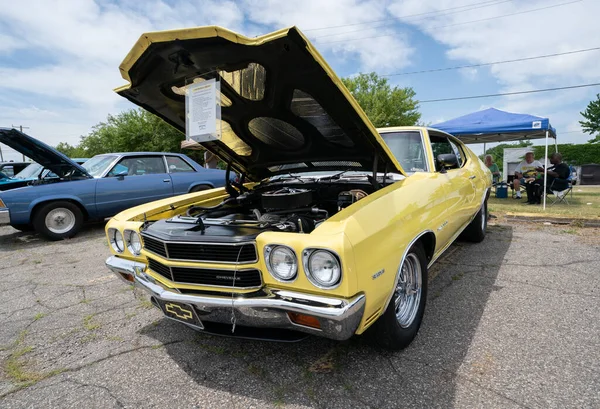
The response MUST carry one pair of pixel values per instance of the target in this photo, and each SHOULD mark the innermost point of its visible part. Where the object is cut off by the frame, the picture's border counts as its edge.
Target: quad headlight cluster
(322, 267)
(129, 239)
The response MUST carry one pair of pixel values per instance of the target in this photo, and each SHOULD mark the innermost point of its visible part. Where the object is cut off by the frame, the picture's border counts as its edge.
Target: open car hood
(283, 108)
(41, 153)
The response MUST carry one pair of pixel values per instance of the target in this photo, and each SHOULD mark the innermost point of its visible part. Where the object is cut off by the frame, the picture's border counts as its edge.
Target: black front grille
(204, 252)
(208, 276)
(160, 268)
(155, 246)
(219, 253)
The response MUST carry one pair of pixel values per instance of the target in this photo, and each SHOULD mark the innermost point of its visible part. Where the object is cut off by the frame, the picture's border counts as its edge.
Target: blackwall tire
(58, 220)
(400, 322)
(475, 231)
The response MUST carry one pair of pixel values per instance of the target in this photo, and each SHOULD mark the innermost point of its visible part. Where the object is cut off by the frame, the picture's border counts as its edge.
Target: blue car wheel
(58, 220)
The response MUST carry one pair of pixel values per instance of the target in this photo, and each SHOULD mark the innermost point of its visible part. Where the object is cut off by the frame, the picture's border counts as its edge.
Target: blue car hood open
(41, 153)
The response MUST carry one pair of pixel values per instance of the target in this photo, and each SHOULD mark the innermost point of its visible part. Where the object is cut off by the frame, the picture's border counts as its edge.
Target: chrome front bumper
(4, 217)
(339, 317)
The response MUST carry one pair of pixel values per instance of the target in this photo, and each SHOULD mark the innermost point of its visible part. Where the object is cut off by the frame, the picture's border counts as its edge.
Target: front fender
(53, 198)
(21, 202)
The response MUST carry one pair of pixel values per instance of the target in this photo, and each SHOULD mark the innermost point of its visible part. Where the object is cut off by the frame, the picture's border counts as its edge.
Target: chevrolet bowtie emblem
(179, 311)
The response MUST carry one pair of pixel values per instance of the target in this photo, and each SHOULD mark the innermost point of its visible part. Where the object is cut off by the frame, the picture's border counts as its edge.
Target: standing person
(489, 162)
(210, 160)
(526, 170)
(557, 179)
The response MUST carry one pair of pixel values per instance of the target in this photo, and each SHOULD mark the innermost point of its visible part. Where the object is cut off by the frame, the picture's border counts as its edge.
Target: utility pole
(21, 129)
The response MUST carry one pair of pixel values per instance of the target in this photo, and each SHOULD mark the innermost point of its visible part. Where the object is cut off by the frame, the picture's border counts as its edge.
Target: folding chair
(509, 180)
(560, 196)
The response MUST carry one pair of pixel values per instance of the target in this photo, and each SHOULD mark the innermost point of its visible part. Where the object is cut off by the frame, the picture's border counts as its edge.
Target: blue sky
(59, 60)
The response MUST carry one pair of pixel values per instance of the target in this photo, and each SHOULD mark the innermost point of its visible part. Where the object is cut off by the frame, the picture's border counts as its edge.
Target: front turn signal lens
(304, 320)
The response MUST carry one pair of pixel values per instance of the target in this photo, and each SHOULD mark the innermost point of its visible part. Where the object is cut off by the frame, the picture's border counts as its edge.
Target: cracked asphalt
(511, 322)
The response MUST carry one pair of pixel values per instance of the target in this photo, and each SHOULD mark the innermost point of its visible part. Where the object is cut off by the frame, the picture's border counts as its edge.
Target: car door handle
(472, 177)
(166, 180)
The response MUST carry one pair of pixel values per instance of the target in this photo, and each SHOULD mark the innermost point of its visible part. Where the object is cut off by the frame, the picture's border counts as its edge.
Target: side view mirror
(121, 175)
(447, 161)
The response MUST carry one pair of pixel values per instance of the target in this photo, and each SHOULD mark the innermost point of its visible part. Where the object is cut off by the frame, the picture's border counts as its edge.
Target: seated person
(556, 179)
(489, 162)
(525, 172)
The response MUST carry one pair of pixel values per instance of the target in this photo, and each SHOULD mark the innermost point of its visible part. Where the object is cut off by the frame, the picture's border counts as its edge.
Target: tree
(592, 123)
(497, 151)
(579, 154)
(384, 105)
(71, 151)
(135, 130)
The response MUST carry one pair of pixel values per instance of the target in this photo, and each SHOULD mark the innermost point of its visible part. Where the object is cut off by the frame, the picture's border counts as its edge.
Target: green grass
(89, 323)
(39, 316)
(578, 205)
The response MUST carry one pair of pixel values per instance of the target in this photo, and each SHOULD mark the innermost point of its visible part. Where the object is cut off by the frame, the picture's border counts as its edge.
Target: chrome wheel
(407, 296)
(60, 220)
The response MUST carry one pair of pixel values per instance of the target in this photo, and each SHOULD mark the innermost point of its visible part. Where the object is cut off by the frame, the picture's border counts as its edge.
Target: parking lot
(511, 322)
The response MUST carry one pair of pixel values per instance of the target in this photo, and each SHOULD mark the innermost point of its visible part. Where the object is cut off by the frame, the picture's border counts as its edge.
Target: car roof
(410, 128)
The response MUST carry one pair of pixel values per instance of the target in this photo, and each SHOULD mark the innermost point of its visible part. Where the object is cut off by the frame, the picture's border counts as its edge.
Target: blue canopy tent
(494, 125)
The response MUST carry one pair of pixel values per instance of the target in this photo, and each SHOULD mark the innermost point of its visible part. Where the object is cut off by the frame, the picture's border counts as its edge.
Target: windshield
(30, 172)
(407, 147)
(98, 164)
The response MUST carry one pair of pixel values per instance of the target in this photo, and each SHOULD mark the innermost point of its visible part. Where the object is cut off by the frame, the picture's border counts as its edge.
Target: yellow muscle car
(332, 224)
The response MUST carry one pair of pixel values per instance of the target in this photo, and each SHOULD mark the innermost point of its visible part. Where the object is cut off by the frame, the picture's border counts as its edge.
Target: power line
(492, 63)
(511, 14)
(457, 24)
(408, 16)
(417, 20)
(509, 93)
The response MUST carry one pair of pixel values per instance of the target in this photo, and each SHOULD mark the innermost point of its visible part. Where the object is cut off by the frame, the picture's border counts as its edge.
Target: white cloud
(552, 30)
(348, 36)
(82, 44)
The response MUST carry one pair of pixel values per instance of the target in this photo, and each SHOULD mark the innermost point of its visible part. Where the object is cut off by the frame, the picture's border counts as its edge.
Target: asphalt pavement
(510, 322)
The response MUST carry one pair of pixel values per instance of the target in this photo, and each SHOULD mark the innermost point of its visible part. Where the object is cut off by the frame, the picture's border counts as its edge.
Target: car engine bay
(289, 205)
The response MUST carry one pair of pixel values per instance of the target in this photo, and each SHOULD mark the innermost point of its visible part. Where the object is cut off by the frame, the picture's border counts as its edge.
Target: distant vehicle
(102, 187)
(9, 169)
(34, 173)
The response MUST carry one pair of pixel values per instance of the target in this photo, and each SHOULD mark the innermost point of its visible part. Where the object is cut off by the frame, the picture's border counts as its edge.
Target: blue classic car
(100, 188)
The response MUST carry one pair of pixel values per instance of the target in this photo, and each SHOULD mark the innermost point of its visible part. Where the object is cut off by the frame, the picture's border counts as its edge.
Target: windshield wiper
(339, 175)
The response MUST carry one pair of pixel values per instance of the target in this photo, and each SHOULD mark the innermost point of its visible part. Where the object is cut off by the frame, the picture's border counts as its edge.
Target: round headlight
(323, 268)
(116, 240)
(281, 262)
(134, 242)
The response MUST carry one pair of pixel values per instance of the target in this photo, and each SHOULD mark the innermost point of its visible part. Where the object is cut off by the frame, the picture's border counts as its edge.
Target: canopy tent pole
(484, 150)
(546, 169)
(556, 144)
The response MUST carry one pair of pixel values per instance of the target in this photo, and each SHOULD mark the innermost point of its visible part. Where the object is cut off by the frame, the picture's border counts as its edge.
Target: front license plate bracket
(180, 312)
